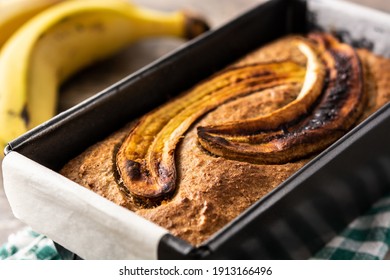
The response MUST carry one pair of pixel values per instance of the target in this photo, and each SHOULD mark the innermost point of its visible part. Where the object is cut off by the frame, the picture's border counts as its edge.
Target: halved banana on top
(330, 101)
(146, 159)
(326, 119)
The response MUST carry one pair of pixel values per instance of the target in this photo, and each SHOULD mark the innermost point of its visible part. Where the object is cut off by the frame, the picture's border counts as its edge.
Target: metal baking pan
(291, 222)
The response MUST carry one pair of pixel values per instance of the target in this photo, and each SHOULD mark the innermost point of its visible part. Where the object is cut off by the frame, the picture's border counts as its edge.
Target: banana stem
(180, 24)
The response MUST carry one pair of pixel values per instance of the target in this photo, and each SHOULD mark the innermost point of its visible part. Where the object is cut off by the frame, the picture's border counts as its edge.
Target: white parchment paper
(78, 219)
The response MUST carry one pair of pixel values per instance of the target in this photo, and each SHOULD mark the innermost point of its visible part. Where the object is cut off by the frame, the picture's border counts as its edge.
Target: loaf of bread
(210, 190)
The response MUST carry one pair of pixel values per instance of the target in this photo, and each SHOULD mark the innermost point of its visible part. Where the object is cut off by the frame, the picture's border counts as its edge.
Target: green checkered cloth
(366, 238)
(28, 245)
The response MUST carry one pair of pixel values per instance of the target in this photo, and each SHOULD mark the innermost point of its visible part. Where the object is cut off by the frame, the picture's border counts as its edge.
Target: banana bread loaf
(240, 148)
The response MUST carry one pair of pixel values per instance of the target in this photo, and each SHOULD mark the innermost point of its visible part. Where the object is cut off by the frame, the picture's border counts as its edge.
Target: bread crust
(211, 190)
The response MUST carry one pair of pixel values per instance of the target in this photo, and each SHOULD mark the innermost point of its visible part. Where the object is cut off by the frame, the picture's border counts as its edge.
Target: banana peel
(13, 14)
(65, 38)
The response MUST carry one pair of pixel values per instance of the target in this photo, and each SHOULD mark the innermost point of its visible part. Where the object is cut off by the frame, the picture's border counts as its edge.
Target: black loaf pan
(296, 219)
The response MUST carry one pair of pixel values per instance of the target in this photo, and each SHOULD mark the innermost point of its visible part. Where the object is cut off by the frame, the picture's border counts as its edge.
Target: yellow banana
(14, 13)
(65, 38)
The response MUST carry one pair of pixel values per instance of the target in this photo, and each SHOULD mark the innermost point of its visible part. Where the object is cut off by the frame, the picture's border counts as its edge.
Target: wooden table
(96, 78)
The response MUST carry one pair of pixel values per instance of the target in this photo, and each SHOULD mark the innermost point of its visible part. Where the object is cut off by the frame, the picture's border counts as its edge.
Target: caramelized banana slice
(146, 159)
(311, 90)
(336, 112)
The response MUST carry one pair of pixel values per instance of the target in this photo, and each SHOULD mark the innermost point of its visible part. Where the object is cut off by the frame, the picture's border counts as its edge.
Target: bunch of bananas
(44, 42)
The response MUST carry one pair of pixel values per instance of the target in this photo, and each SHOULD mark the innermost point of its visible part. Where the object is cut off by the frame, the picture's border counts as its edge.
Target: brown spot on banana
(337, 110)
(146, 159)
(23, 114)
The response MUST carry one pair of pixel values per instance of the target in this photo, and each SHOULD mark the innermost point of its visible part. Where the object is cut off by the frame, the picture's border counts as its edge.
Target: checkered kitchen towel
(28, 245)
(367, 238)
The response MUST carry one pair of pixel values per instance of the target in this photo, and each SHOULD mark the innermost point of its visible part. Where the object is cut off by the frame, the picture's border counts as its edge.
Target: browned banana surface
(146, 159)
(332, 116)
